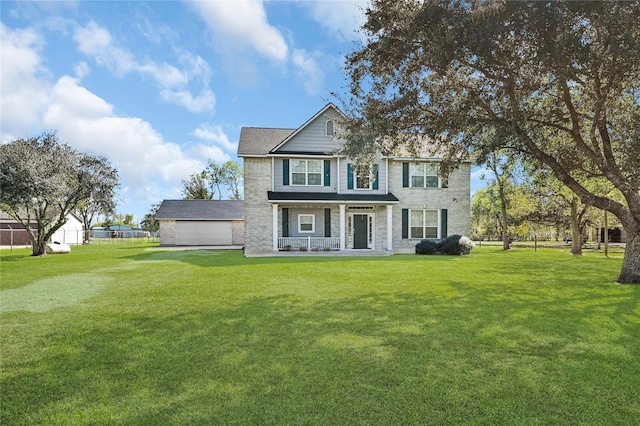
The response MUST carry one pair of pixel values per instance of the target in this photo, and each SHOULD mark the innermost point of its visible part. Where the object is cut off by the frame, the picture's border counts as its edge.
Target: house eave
(208, 219)
(438, 159)
(330, 198)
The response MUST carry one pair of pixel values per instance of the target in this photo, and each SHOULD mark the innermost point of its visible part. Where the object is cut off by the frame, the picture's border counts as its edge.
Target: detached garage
(201, 223)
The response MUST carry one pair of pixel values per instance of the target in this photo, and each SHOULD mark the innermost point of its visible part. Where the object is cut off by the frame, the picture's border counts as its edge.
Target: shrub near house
(453, 245)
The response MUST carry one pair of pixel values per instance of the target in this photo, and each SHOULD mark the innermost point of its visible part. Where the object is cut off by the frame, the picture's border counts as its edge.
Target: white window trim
(313, 223)
(424, 215)
(306, 173)
(425, 175)
(355, 181)
(326, 128)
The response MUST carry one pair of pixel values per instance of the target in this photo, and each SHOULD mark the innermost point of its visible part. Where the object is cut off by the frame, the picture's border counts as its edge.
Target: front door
(360, 231)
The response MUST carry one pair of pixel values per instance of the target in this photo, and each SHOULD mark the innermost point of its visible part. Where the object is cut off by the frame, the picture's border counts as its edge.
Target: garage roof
(201, 210)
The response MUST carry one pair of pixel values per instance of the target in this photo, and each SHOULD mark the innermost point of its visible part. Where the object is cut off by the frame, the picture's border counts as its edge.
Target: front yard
(122, 335)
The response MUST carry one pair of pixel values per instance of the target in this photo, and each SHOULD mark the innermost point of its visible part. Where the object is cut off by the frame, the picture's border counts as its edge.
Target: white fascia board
(382, 203)
(302, 155)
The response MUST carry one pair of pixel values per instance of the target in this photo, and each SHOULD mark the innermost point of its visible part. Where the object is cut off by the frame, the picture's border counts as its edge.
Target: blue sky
(160, 87)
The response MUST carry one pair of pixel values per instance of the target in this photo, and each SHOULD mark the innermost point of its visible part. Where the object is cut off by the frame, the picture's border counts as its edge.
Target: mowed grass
(124, 336)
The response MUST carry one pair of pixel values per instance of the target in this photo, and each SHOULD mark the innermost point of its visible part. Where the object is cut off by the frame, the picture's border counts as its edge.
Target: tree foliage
(196, 188)
(43, 180)
(228, 176)
(149, 223)
(557, 82)
(223, 179)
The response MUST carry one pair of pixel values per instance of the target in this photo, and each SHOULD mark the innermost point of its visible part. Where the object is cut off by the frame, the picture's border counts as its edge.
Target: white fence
(308, 243)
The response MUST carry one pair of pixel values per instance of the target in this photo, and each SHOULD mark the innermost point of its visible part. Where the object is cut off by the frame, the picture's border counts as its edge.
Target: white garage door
(202, 233)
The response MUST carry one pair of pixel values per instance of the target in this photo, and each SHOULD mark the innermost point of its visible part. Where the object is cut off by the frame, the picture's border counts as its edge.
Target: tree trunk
(504, 218)
(576, 235)
(506, 241)
(630, 273)
(38, 248)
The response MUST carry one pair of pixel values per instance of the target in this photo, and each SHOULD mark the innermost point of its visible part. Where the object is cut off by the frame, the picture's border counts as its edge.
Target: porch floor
(363, 252)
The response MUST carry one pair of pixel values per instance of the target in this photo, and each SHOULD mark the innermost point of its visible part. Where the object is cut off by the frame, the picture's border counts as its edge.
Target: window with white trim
(423, 175)
(307, 172)
(362, 177)
(307, 223)
(423, 223)
(330, 128)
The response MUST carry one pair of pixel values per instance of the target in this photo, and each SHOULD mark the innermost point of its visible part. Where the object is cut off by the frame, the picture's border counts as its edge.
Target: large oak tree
(556, 81)
(43, 180)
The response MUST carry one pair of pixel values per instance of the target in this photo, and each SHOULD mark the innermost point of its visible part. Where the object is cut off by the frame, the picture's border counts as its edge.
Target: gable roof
(318, 114)
(260, 140)
(201, 210)
(263, 140)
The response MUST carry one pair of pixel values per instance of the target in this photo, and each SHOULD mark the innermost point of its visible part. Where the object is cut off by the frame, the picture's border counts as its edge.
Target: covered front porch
(330, 223)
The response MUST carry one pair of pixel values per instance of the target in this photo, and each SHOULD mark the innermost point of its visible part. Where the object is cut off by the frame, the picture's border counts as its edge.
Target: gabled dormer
(315, 137)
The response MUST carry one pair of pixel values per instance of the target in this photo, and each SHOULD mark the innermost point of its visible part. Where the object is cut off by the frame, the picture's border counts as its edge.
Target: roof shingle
(260, 140)
(201, 210)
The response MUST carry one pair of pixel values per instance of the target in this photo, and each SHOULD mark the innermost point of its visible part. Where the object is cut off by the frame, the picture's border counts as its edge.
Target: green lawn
(124, 336)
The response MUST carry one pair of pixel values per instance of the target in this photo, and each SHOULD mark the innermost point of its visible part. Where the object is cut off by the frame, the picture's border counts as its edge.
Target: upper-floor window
(362, 177)
(424, 175)
(306, 172)
(329, 128)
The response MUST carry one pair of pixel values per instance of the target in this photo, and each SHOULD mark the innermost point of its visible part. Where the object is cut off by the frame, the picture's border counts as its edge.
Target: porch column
(275, 226)
(343, 227)
(389, 227)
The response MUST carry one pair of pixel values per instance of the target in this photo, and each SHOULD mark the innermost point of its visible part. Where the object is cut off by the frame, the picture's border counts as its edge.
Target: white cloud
(207, 152)
(240, 24)
(24, 92)
(150, 167)
(87, 122)
(68, 96)
(310, 73)
(340, 18)
(97, 43)
(203, 102)
(216, 135)
(81, 69)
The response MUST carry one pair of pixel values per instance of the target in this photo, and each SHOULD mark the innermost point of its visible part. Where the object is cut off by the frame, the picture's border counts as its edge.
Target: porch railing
(308, 243)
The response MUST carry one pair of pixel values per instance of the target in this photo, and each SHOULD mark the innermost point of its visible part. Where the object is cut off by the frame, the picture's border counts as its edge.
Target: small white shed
(201, 223)
(70, 233)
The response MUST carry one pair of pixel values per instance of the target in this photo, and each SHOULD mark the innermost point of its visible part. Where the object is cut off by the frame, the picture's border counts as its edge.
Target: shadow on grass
(470, 354)
(217, 258)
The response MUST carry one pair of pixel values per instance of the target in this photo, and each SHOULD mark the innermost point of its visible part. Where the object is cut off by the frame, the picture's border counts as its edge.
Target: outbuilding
(201, 223)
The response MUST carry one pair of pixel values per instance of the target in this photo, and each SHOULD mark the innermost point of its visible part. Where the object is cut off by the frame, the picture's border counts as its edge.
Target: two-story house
(301, 196)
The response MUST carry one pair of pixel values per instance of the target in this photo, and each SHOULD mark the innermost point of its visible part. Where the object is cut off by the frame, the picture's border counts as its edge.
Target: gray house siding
(313, 137)
(279, 174)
